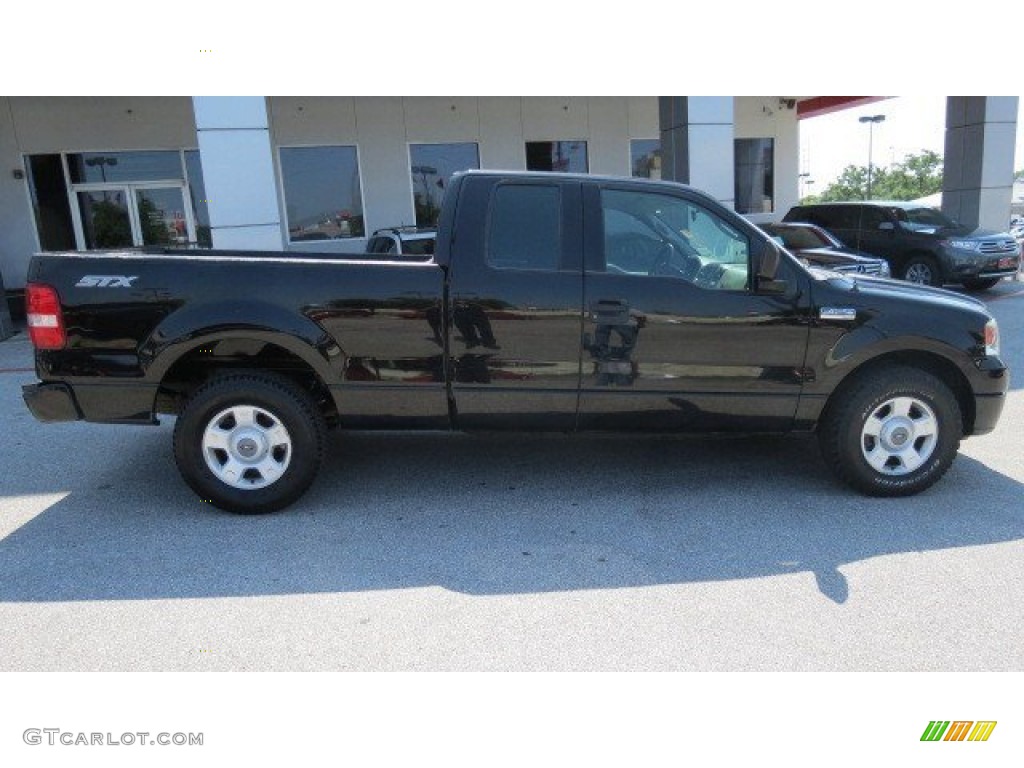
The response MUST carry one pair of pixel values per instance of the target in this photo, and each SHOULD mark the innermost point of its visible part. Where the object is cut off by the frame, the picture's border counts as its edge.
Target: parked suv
(408, 241)
(921, 244)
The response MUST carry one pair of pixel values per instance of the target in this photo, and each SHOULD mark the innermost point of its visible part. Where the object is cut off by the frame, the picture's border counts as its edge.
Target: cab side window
(657, 235)
(524, 227)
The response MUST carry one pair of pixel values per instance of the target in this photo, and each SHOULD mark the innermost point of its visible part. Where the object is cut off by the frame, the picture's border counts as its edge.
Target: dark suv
(921, 244)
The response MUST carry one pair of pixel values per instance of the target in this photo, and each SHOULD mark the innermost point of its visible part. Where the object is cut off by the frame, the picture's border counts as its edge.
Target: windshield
(921, 219)
(800, 238)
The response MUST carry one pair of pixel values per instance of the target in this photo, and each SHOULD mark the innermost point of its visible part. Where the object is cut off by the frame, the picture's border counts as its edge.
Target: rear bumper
(110, 402)
(51, 402)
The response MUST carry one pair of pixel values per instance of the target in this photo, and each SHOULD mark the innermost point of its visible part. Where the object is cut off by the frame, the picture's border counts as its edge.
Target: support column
(238, 171)
(697, 143)
(977, 183)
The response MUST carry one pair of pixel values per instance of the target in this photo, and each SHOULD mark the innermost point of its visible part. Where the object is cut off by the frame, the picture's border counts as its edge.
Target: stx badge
(106, 281)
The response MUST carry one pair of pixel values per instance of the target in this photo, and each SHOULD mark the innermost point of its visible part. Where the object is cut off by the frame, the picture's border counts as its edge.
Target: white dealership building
(322, 173)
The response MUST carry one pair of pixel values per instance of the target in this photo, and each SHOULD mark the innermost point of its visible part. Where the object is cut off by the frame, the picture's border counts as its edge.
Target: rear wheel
(249, 442)
(923, 270)
(893, 432)
(982, 284)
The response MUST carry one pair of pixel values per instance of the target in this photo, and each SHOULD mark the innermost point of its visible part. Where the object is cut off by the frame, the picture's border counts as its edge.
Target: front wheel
(894, 432)
(249, 442)
(923, 270)
(981, 284)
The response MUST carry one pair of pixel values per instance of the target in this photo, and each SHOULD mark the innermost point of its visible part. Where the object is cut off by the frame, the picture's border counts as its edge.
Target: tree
(918, 175)
(852, 184)
(1019, 175)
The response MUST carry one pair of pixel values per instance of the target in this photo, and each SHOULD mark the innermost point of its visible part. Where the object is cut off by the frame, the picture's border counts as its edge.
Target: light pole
(805, 179)
(101, 161)
(871, 120)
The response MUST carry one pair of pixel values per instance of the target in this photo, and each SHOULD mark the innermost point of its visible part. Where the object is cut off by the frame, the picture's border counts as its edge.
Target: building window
(50, 203)
(523, 231)
(322, 194)
(110, 167)
(118, 199)
(432, 168)
(563, 156)
(645, 158)
(755, 175)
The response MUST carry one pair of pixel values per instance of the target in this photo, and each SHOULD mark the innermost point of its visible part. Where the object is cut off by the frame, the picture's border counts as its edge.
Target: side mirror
(887, 226)
(767, 268)
(769, 262)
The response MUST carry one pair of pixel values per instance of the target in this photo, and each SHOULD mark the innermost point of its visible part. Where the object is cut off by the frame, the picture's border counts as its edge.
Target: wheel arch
(207, 355)
(934, 363)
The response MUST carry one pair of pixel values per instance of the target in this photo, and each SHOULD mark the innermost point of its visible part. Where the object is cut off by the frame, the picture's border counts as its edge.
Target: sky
(912, 123)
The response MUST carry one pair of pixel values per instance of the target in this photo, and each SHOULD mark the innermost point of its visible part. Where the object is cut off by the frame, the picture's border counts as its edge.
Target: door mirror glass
(887, 226)
(769, 263)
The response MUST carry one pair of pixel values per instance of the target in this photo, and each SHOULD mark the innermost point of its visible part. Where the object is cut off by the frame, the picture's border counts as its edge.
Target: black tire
(982, 284)
(923, 270)
(276, 399)
(844, 442)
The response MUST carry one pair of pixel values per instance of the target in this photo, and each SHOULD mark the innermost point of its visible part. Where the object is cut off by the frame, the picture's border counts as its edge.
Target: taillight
(45, 321)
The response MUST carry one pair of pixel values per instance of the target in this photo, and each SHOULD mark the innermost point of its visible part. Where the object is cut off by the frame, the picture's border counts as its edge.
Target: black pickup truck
(553, 302)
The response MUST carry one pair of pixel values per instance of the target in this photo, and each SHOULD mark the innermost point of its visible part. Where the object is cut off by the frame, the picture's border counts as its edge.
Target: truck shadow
(485, 515)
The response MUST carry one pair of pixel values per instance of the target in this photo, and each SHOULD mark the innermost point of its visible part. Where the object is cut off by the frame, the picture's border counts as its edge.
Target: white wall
(762, 117)
(78, 124)
(382, 128)
(17, 228)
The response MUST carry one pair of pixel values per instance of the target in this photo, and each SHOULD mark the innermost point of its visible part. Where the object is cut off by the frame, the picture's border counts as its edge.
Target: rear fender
(193, 327)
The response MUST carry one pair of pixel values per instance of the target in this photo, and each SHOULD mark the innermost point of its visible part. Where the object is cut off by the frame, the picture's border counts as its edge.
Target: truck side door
(675, 338)
(515, 303)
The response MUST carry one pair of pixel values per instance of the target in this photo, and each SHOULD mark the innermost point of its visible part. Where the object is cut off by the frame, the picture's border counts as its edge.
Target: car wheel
(981, 284)
(893, 432)
(923, 270)
(249, 442)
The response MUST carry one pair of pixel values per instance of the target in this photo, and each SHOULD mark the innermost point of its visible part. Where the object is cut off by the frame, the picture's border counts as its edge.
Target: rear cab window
(524, 227)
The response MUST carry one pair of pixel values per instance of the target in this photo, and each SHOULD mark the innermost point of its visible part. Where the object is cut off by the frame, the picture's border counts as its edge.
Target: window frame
(282, 192)
(629, 155)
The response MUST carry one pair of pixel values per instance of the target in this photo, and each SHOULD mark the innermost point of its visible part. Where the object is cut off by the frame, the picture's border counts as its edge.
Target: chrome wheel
(246, 447)
(899, 436)
(918, 272)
